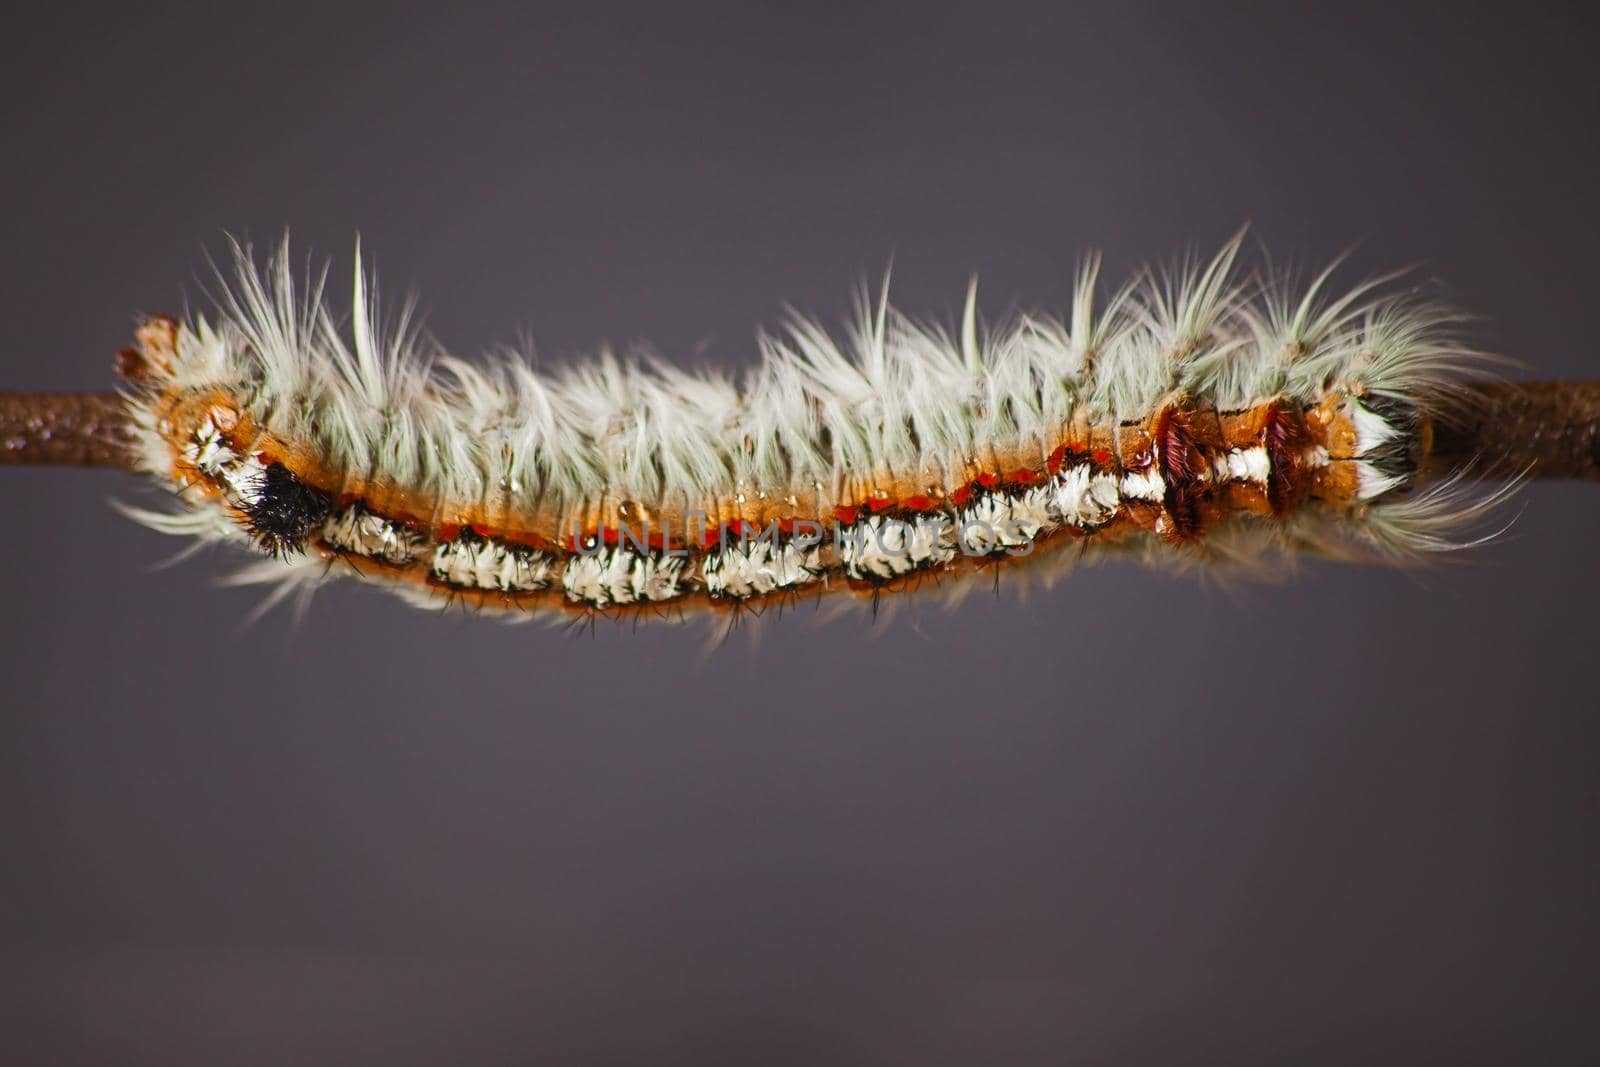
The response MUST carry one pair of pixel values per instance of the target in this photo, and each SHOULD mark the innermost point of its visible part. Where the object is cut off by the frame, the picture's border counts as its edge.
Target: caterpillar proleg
(1191, 415)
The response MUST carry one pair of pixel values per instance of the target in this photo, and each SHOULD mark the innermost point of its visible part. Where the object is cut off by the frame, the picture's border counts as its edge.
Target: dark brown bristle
(1286, 440)
(285, 512)
(1182, 465)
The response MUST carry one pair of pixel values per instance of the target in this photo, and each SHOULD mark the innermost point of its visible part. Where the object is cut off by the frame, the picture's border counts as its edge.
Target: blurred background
(1349, 815)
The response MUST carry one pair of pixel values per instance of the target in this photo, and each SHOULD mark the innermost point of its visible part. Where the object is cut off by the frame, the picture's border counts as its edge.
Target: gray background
(1347, 815)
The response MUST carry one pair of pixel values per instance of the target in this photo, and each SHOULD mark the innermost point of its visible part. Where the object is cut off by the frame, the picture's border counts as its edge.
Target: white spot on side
(655, 577)
(595, 579)
(753, 567)
(1144, 485)
(359, 531)
(1243, 465)
(243, 478)
(1084, 498)
(1030, 513)
(1372, 431)
(618, 575)
(207, 450)
(490, 564)
(1372, 482)
(889, 548)
(996, 522)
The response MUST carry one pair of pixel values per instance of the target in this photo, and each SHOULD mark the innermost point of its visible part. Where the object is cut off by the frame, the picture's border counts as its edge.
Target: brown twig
(1549, 429)
(68, 429)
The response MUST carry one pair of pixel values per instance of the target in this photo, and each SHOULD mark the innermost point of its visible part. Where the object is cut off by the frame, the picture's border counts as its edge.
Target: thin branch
(66, 429)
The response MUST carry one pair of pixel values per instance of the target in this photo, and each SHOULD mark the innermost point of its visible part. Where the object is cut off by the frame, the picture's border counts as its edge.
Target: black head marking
(285, 512)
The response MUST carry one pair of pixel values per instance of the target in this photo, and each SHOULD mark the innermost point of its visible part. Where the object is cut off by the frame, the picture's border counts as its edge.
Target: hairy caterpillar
(1188, 415)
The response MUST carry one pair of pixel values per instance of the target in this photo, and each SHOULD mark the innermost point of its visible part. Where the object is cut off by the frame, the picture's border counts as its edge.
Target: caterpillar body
(1190, 415)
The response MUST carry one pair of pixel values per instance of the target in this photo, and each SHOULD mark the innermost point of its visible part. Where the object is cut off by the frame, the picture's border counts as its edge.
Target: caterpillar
(1192, 415)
